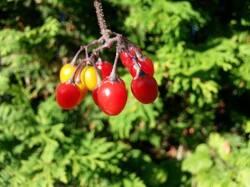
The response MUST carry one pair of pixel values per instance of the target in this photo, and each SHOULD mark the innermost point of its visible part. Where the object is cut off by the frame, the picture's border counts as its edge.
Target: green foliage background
(195, 134)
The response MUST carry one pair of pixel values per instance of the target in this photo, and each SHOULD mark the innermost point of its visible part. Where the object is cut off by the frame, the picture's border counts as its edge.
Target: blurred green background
(195, 134)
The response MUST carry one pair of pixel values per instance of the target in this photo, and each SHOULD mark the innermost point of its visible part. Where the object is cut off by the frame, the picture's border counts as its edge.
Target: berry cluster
(108, 89)
(100, 77)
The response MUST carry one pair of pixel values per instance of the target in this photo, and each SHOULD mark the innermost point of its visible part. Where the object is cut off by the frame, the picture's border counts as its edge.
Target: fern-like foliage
(195, 134)
(224, 156)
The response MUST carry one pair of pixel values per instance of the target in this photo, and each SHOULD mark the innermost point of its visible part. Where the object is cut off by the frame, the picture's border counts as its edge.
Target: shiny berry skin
(112, 96)
(144, 88)
(94, 95)
(126, 59)
(105, 67)
(146, 65)
(89, 77)
(66, 71)
(84, 91)
(68, 95)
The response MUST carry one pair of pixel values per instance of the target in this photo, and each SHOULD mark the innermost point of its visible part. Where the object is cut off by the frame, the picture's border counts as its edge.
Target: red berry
(144, 88)
(68, 95)
(125, 57)
(94, 95)
(146, 65)
(112, 96)
(105, 67)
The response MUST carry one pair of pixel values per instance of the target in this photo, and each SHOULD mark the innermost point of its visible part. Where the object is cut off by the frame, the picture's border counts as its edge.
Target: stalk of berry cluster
(100, 19)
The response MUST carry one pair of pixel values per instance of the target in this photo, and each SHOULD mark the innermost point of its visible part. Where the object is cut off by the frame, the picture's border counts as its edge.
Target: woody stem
(100, 19)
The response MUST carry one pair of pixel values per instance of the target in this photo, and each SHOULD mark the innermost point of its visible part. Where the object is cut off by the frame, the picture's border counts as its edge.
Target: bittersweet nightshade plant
(110, 94)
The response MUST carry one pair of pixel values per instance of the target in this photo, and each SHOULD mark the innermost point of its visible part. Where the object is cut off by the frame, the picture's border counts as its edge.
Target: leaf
(132, 180)
(60, 173)
(243, 177)
(75, 167)
(247, 127)
(244, 70)
(4, 84)
(9, 39)
(49, 151)
(215, 177)
(199, 161)
(222, 146)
